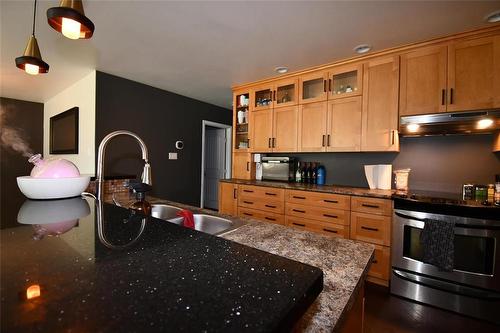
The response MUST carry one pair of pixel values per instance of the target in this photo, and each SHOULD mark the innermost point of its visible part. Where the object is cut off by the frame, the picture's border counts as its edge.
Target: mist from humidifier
(11, 137)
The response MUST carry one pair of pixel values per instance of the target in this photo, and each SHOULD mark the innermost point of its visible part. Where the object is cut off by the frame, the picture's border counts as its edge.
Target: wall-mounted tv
(64, 132)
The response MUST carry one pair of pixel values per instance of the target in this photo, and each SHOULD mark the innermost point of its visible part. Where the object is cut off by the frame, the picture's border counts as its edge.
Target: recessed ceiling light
(484, 123)
(493, 17)
(281, 70)
(412, 127)
(363, 48)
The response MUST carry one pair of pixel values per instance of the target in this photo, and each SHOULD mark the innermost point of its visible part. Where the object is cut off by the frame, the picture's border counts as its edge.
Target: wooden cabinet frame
(309, 77)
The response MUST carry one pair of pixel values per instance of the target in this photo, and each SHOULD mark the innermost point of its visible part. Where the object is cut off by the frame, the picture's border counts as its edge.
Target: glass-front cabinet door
(313, 87)
(241, 103)
(286, 93)
(345, 81)
(262, 97)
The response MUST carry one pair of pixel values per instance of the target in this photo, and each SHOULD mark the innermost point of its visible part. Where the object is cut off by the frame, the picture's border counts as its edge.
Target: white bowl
(52, 188)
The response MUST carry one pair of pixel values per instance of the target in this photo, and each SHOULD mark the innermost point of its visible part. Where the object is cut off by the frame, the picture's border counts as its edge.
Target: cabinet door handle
(451, 95)
(248, 166)
(274, 95)
(299, 211)
(269, 143)
(443, 96)
(270, 218)
(329, 230)
(368, 228)
(331, 216)
(248, 143)
(323, 141)
(330, 201)
(329, 84)
(247, 214)
(248, 202)
(234, 193)
(270, 206)
(392, 137)
(296, 197)
(267, 193)
(374, 261)
(328, 140)
(274, 143)
(324, 85)
(299, 224)
(370, 206)
(248, 191)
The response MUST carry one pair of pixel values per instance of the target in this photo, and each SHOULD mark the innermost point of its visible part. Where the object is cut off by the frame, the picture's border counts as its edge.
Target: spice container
(481, 193)
(468, 191)
(491, 193)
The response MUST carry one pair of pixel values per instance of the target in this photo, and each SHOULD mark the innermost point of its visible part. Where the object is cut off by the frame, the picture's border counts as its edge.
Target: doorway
(215, 161)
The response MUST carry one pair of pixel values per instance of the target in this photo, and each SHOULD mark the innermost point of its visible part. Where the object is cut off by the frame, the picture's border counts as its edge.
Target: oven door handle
(446, 286)
(457, 225)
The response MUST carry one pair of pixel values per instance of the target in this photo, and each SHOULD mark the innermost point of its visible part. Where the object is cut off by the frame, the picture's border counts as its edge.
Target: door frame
(227, 174)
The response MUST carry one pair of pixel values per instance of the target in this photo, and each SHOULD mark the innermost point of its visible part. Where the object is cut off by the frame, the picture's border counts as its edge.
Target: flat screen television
(64, 132)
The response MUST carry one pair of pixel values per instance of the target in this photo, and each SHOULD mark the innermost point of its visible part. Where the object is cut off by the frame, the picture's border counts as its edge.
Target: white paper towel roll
(384, 174)
(371, 173)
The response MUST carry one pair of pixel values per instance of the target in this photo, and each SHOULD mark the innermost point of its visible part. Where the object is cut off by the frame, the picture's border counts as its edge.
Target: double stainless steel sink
(209, 224)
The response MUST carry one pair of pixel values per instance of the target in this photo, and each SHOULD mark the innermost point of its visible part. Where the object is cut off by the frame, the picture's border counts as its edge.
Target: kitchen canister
(401, 179)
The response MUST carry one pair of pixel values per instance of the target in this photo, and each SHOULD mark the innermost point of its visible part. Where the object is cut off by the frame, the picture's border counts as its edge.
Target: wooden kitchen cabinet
(262, 97)
(423, 86)
(286, 92)
(344, 124)
(474, 74)
(381, 264)
(375, 229)
(228, 198)
(312, 127)
(285, 127)
(380, 105)
(243, 166)
(241, 130)
(313, 87)
(345, 81)
(261, 130)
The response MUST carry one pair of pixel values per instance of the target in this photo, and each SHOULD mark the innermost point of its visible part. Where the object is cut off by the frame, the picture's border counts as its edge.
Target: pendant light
(31, 61)
(70, 20)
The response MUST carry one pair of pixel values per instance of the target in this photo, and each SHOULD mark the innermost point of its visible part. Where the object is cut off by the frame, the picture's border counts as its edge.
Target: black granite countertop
(106, 278)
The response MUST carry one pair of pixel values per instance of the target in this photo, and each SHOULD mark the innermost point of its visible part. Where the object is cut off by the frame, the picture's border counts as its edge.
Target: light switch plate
(172, 156)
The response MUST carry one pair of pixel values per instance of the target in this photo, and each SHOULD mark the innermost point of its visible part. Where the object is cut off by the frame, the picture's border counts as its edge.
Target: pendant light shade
(31, 61)
(70, 20)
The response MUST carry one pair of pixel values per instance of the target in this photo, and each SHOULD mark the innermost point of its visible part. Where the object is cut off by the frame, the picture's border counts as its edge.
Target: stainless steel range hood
(469, 122)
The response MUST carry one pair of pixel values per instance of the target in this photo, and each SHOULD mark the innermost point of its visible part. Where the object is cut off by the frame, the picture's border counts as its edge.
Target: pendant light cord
(34, 19)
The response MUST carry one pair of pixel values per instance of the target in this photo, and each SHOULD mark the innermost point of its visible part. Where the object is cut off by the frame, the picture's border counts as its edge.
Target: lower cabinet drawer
(322, 214)
(375, 229)
(270, 193)
(264, 204)
(335, 230)
(380, 266)
(261, 215)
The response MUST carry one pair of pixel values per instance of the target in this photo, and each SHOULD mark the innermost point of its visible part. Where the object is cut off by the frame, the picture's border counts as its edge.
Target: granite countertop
(334, 189)
(345, 263)
(130, 273)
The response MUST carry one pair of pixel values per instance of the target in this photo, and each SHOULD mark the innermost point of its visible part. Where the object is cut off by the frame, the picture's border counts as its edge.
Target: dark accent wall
(27, 118)
(441, 163)
(160, 118)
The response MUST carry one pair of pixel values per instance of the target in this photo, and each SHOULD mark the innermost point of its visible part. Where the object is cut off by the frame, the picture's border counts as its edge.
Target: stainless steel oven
(472, 287)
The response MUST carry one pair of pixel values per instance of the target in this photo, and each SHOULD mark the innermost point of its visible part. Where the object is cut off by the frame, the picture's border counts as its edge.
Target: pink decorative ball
(53, 168)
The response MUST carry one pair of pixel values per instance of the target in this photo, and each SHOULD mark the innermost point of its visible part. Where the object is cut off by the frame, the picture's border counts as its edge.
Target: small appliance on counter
(278, 168)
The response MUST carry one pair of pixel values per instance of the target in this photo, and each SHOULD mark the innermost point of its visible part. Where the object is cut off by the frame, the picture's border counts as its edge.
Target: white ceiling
(199, 49)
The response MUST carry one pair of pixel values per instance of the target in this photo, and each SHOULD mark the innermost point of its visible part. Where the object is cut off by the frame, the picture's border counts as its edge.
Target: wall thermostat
(179, 145)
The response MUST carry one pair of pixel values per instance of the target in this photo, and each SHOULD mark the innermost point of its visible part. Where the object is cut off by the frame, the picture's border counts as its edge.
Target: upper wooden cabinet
(380, 105)
(423, 81)
(241, 103)
(313, 87)
(474, 74)
(312, 127)
(345, 81)
(276, 94)
(344, 124)
(285, 126)
(262, 97)
(261, 130)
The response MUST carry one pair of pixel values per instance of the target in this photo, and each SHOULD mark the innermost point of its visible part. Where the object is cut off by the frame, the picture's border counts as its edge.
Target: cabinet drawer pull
(270, 206)
(370, 205)
(332, 216)
(248, 202)
(296, 197)
(268, 193)
(270, 218)
(330, 201)
(329, 230)
(248, 191)
(247, 214)
(368, 228)
(299, 224)
(299, 211)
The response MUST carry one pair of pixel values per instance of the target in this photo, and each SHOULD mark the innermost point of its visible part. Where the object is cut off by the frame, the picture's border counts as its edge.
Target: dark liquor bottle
(306, 173)
(313, 173)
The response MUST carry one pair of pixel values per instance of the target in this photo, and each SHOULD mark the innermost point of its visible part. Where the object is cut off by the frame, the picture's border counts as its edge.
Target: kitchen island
(153, 275)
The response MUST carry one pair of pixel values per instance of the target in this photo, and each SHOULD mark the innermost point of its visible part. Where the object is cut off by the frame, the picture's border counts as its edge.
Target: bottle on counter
(313, 173)
(298, 174)
(321, 175)
(491, 193)
(497, 190)
(306, 178)
(303, 172)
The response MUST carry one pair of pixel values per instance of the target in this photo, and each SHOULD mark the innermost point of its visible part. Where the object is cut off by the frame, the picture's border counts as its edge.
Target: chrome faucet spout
(101, 152)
